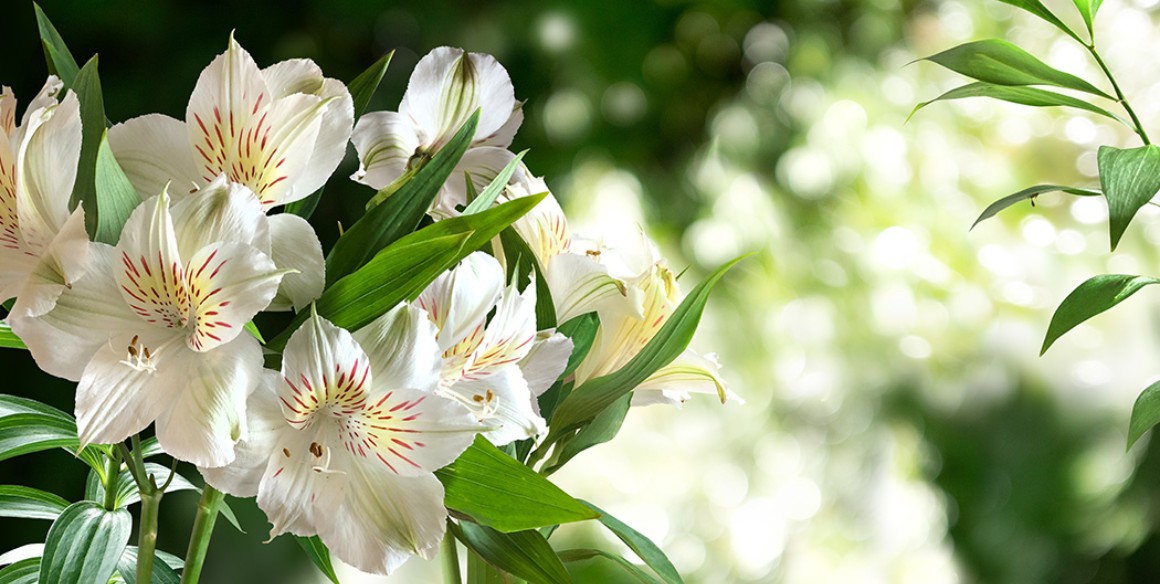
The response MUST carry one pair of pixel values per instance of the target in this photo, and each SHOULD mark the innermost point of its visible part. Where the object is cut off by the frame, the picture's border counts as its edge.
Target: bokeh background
(899, 425)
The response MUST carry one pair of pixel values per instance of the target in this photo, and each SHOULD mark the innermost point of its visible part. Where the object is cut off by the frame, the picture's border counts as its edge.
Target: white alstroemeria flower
(629, 323)
(280, 131)
(43, 247)
(482, 358)
(447, 86)
(344, 443)
(154, 331)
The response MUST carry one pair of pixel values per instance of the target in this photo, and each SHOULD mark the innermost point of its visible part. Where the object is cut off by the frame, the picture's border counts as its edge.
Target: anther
(316, 449)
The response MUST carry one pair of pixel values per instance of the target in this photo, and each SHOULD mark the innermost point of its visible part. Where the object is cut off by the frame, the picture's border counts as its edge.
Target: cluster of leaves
(504, 509)
(1129, 177)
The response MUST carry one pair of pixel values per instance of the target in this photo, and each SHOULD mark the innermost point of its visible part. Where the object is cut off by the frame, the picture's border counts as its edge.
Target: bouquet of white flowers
(456, 345)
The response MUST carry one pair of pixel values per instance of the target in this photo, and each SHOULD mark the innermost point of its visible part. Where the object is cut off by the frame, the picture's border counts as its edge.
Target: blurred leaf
(1030, 193)
(589, 399)
(525, 554)
(1038, 9)
(580, 555)
(603, 428)
(1088, 9)
(642, 546)
(317, 552)
(1129, 178)
(84, 544)
(495, 490)
(363, 87)
(115, 195)
(494, 189)
(59, 59)
(29, 503)
(164, 572)
(1091, 298)
(401, 209)
(1145, 413)
(1021, 95)
(1002, 63)
(9, 340)
(22, 572)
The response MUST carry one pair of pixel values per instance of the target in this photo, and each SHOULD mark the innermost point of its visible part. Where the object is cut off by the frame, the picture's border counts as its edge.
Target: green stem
(1139, 128)
(449, 557)
(207, 512)
(147, 536)
(112, 477)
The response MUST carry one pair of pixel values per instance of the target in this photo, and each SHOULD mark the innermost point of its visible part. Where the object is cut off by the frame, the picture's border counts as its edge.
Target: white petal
(228, 284)
(579, 285)
(408, 432)
(402, 348)
(323, 366)
(48, 96)
(150, 274)
(385, 142)
(154, 151)
(502, 402)
(7, 111)
(221, 211)
(509, 334)
(482, 164)
(505, 134)
(386, 518)
(63, 263)
(447, 86)
(333, 134)
(207, 417)
(265, 428)
(293, 76)
(298, 495)
(458, 300)
(273, 169)
(546, 361)
(46, 165)
(689, 373)
(544, 228)
(295, 246)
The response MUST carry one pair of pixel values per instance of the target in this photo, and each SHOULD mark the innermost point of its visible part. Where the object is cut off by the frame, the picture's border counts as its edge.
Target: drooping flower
(343, 445)
(445, 89)
(154, 331)
(280, 131)
(487, 363)
(43, 247)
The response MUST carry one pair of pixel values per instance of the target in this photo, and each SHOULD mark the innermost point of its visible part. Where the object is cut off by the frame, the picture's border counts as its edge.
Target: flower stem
(147, 536)
(112, 477)
(1139, 128)
(449, 557)
(207, 512)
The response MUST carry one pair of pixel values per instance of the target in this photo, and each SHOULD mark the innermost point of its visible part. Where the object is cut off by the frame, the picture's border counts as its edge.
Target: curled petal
(503, 403)
(546, 361)
(63, 263)
(447, 86)
(385, 142)
(458, 300)
(293, 76)
(221, 211)
(265, 430)
(689, 373)
(154, 151)
(46, 168)
(294, 246)
(579, 285)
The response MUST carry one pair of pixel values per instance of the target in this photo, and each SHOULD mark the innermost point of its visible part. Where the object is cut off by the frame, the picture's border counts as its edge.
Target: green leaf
(525, 554)
(115, 195)
(582, 331)
(496, 490)
(28, 426)
(1031, 96)
(317, 552)
(642, 546)
(1030, 193)
(588, 400)
(1002, 63)
(1129, 178)
(363, 87)
(87, 86)
(164, 572)
(60, 60)
(84, 544)
(9, 340)
(580, 555)
(1088, 9)
(603, 428)
(401, 209)
(481, 572)
(29, 503)
(1145, 413)
(127, 491)
(1038, 9)
(1091, 298)
(494, 189)
(519, 256)
(25, 571)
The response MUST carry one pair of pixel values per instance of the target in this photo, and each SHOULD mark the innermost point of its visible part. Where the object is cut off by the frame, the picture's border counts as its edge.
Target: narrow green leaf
(519, 256)
(9, 340)
(29, 503)
(582, 330)
(1129, 179)
(1030, 193)
(525, 554)
(23, 572)
(1145, 413)
(28, 426)
(163, 571)
(481, 572)
(317, 552)
(87, 86)
(603, 428)
(1038, 9)
(580, 555)
(1088, 9)
(1031, 96)
(589, 399)
(1091, 298)
(60, 60)
(400, 211)
(115, 195)
(127, 491)
(489, 195)
(363, 87)
(495, 490)
(1002, 63)
(642, 546)
(84, 544)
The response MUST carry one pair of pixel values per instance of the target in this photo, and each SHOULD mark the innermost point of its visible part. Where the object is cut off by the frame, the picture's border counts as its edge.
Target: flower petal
(502, 402)
(206, 413)
(293, 76)
(63, 263)
(228, 284)
(385, 142)
(407, 431)
(7, 111)
(329, 146)
(689, 373)
(579, 285)
(459, 300)
(265, 429)
(154, 151)
(546, 361)
(483, 165)
(151, 275)
(221, 211)
(323, 366)
(294, 245)
(299, 495)
(447, 86)
(402, 348)
(544, 228)
(46, 169)
(509, 334)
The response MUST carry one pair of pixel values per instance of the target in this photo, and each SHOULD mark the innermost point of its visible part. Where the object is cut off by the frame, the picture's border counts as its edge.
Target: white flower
(482, 359)
(43, 247)
(447, 86)
(280, 131)
(154, 331)
(344, 443)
